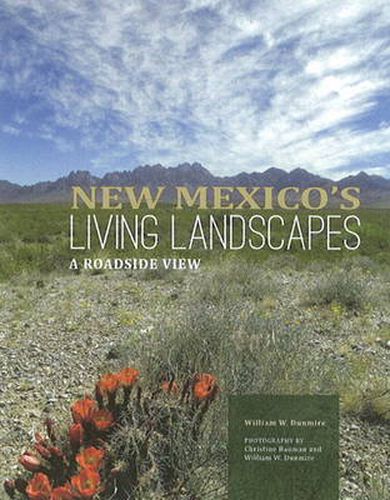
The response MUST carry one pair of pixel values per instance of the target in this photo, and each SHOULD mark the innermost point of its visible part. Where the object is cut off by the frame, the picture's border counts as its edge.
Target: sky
(105, 85)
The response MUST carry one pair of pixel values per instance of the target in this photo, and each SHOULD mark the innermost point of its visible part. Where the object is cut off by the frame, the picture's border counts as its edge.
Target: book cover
(194, 250)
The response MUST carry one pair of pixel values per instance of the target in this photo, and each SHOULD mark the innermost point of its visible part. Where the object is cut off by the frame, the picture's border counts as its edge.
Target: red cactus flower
(108, 384)
(63, 493)
(205, 386)
(76, 435)
(83, 409)
(39, 488)
(128, 377)
(86, 483)
(102, 419)
(90, 457)
(30, 462)
(170, 387)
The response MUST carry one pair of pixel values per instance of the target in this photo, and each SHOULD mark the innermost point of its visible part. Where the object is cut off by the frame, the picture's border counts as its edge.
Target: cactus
(123, 442)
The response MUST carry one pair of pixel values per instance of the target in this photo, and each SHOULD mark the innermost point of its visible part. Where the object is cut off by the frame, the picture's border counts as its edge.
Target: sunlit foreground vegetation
(123, 443)
(274, 329)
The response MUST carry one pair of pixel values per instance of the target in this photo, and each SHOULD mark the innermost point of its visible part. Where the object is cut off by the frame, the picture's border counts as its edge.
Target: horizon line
(101, 176)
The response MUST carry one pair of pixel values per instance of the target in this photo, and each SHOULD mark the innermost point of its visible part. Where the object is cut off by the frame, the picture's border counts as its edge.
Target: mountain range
(375, 190)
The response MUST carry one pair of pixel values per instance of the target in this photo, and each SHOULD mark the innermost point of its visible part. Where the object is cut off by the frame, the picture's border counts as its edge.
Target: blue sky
(236, 85)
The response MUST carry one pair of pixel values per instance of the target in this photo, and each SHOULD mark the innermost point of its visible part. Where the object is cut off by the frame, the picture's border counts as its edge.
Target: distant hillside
(375, 190)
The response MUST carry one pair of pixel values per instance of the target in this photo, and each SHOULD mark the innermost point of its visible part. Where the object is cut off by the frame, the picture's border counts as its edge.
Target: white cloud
(9, 129)
(278, 83)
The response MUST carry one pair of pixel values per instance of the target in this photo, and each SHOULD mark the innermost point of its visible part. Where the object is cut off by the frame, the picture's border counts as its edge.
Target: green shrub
(233, 281)
(362, 395)
(339, 287)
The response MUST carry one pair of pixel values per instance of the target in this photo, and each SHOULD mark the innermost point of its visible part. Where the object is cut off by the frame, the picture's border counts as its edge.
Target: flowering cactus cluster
(115, 440)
